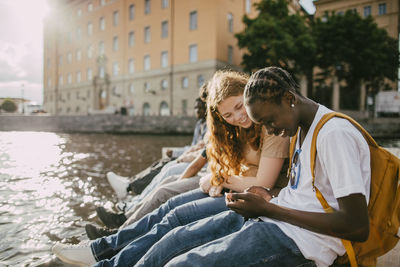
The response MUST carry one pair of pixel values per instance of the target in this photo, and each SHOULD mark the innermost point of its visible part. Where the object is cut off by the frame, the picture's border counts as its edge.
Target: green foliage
(277, 38)
(8, 105)
(354, 49)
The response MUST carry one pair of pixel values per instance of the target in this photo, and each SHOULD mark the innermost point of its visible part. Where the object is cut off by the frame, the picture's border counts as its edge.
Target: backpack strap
(346, 243)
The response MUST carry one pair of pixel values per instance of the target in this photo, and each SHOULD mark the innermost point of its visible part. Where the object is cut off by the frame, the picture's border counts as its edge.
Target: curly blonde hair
(226, 142)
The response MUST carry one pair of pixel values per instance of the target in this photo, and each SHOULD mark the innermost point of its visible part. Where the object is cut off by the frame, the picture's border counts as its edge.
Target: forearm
(336, 224)
(194, 167)
(241, 183)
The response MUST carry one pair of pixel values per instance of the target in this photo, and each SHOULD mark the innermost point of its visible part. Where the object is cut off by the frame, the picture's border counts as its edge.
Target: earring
(292, 105)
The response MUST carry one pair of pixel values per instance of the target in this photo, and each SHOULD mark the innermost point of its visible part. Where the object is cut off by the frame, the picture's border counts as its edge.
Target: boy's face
(278, 119)
(200, 109)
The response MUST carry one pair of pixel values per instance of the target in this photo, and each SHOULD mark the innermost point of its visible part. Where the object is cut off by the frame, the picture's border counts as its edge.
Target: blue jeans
(171, 168)
(225, 239)
(127, 246)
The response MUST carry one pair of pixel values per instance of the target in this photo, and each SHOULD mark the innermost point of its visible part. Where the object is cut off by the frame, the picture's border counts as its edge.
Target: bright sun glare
(29, 15)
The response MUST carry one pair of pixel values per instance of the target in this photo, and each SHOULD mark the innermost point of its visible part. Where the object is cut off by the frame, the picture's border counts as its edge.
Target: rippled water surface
(50, 184)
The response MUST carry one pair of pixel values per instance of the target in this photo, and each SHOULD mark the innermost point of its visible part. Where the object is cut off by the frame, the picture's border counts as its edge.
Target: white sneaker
(119, 184)
(79, 254)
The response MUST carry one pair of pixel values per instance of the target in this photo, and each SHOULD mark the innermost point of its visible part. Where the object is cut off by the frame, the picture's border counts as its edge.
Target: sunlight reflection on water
(51, 183)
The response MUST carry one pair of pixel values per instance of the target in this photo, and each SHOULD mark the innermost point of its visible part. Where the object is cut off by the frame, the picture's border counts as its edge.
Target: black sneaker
(94, 232)
(110, 219)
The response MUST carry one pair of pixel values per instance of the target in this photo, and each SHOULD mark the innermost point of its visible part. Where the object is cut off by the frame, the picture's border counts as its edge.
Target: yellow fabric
(384, 203)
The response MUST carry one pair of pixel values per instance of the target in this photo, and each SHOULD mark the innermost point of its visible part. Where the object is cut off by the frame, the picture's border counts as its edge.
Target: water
(50, 184)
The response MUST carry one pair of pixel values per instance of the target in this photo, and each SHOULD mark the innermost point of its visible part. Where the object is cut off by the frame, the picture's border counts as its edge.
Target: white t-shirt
(342, 168)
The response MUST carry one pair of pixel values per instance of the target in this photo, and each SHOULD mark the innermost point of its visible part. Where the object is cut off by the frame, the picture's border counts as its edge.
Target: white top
(342, 168)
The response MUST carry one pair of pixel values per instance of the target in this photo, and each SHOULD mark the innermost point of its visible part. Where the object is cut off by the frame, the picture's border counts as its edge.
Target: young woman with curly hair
(240, 154)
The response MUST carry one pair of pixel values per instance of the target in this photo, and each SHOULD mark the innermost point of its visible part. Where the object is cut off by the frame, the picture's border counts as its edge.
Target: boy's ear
(289, 98)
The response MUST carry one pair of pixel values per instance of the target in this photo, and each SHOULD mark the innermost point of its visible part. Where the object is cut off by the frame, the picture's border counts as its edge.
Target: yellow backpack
(384, 202)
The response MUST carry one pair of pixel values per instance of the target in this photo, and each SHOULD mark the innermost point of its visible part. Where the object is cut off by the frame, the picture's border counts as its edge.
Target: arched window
(164, 109)
(146, 109)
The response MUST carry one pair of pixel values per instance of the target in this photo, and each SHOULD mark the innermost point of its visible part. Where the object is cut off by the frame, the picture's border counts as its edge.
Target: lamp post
(22, 98)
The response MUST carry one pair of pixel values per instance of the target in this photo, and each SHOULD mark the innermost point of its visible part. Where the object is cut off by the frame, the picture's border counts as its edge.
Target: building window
(131, 39)
(115, 18)
(146, 87)
(102, 72)
(131, 89)
(131, 12)
(89, 75)
(147, 9)
(60, 60)
(146, 109)
(48, 63)
(185, 82)
(248, 6)
(49, 83)
(79, 12)
(192, 53)
(146, 63)
(367, 11)
(164, 59)
(340, 13)
(115, 68)
(184, 106)
(78, 33)
(147, 34)
(101, 48)
(164, 109)
(102, 2)
(102, 23)
(60, 80)
(164, 29)
(90, 29)
(69, 57)
(382, 9)
(230, 22)
(78, 55)
(164, 84)
(230, 54)
(131, 66)
(69, 78)
(164, 3)
(200, 80)
(69, 37)
(115, 43)
(90, 51)
(90, 7)
(78, 77)
(193, 20)
(88, 94)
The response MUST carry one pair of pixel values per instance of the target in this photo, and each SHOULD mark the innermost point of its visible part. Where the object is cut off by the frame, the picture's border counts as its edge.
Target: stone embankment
(101, 123)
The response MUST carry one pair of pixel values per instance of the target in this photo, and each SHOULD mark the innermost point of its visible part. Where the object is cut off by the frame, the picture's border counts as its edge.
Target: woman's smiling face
(233, 111)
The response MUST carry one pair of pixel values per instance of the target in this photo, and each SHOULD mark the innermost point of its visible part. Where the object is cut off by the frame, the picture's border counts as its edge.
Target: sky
(21, 47)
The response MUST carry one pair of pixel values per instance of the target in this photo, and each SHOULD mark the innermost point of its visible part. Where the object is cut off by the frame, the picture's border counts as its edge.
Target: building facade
(147, 56)
(384, 12)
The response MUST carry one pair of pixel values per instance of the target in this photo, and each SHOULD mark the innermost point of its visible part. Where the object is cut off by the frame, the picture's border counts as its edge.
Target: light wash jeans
(225, 239)
(171, 168)
(127, 246)
(160, 195)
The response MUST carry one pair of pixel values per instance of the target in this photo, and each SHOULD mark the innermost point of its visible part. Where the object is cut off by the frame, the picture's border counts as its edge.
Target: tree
(356, 51)
(8, 105)
(277, 38)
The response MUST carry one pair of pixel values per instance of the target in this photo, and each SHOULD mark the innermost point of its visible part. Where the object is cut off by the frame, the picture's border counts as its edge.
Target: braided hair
(270, 84)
